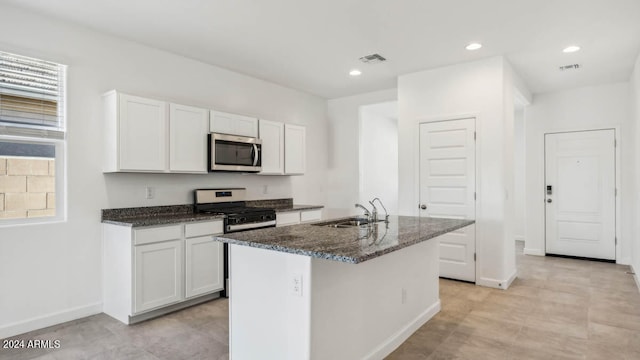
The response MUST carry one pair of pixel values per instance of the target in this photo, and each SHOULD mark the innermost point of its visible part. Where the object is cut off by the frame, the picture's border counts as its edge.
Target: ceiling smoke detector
(570, 67)
(372, 59)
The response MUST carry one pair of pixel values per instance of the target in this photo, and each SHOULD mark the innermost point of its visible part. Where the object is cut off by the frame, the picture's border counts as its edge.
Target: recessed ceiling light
(473, 46)
(570, 49)
(355, 72)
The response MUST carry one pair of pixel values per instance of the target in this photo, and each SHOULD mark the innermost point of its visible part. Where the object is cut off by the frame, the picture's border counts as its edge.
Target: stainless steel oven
(234, 153)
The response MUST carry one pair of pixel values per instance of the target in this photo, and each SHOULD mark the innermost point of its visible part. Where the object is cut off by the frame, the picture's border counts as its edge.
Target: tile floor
(556, 309)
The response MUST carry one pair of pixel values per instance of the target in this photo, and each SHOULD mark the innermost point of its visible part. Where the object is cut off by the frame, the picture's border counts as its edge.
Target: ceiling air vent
(372, 59)
(570, 67)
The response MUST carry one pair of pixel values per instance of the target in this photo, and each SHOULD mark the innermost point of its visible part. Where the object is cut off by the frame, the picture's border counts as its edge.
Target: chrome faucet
(374, 213)
(386, 214)
(366, 211)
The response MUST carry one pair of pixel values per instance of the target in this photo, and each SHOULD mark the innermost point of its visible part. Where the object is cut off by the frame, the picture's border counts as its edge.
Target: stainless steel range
(238, 216)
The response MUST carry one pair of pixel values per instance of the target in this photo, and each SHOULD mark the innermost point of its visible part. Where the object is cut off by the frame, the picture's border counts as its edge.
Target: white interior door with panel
(447, 190)
(142, 134)
(188, 128)
(580, 194)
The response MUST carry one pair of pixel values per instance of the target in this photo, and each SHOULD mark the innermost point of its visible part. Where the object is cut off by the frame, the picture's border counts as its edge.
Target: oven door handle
(250, 226)
(255, 155)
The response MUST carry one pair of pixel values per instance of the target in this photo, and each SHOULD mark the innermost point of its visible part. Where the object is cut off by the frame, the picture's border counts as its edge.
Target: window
(32, 139)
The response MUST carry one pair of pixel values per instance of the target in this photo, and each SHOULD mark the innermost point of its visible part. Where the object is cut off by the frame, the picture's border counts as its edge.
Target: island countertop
(351, 245)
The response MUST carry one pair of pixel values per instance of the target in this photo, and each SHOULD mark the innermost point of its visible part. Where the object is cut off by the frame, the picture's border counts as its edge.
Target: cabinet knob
(423, 207)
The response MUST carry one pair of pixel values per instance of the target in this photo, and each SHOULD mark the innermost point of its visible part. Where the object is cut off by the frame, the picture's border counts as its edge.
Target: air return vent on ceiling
(372, 59)
(570, 67)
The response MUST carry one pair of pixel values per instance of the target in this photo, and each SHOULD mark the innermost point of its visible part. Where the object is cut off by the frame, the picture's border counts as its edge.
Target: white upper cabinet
(272, 136)
(188, 128)
(136, 131)
(295, 145)
(233, 124)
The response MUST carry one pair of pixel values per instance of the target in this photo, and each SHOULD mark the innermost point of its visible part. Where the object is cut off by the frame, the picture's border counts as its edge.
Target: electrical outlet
(296, 284)
(150, 192)
(404, 296)
(265, 189)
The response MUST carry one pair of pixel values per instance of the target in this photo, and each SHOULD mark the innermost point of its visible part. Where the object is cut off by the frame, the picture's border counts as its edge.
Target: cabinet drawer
(288, 218)
(151, 235)
(203, 228)
(310, 215)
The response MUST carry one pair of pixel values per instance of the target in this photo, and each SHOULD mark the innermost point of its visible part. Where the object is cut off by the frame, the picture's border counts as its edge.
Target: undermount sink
(346, 223)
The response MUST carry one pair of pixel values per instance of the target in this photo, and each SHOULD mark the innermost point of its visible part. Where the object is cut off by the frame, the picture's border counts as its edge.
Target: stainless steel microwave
(234, 153)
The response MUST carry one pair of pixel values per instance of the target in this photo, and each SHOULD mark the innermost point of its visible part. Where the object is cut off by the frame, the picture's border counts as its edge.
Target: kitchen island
(318, 292)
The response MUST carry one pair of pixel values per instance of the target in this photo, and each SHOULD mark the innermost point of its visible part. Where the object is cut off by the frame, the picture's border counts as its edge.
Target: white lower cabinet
(297, 217)
(158, 275)
(202, 273)
(153, 270)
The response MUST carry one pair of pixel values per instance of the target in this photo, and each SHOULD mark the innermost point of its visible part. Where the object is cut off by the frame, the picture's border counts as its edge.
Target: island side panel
(366, 310)
(268, 320)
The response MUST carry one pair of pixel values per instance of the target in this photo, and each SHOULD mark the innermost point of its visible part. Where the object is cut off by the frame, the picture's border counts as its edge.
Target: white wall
(520, 174)
(635, 122)
(51, 273)
(596, 107)
(344, 164)
(379, 155)
(472, 89)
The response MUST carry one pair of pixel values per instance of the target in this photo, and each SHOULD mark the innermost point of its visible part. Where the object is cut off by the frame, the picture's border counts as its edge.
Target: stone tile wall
(27, 187)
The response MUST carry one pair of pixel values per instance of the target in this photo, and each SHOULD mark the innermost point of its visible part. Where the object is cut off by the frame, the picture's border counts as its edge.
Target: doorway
(447, 190)
(580, 194)
(378, 155)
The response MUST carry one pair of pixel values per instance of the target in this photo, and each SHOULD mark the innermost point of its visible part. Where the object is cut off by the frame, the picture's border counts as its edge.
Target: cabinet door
(294, 149)
(158, 275)
(204, 266)
(310, 215)
(221, 122)
(246, 126)
(272, 136)
(287, 218)
(233, 124)
(143, 134)
(188, 128)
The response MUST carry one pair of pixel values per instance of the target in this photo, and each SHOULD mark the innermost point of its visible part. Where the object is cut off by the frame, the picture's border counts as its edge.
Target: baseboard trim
(498, 284)
(536, 252)
(624, 261)
(40, 322)
(395, 340)
(635, 277)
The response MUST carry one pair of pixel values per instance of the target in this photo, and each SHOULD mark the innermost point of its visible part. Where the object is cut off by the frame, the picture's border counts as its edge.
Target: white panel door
(188, 128)
(204, 266)
(142, 134)
(158, 275)
(295, 144)
(447, 190)
(272, 136)
(580, 194)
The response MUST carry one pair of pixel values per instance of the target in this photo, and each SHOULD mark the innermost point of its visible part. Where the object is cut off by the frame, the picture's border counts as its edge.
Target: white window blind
(31, 96)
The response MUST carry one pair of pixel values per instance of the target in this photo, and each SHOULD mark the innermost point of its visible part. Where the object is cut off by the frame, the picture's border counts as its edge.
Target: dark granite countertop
(155, 220)
(351, 245)
(174, 214)
(154, 215)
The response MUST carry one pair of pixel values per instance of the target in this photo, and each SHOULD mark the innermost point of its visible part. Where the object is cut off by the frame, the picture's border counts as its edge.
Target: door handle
(549, 201)
(255, 155)
(423, 207)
